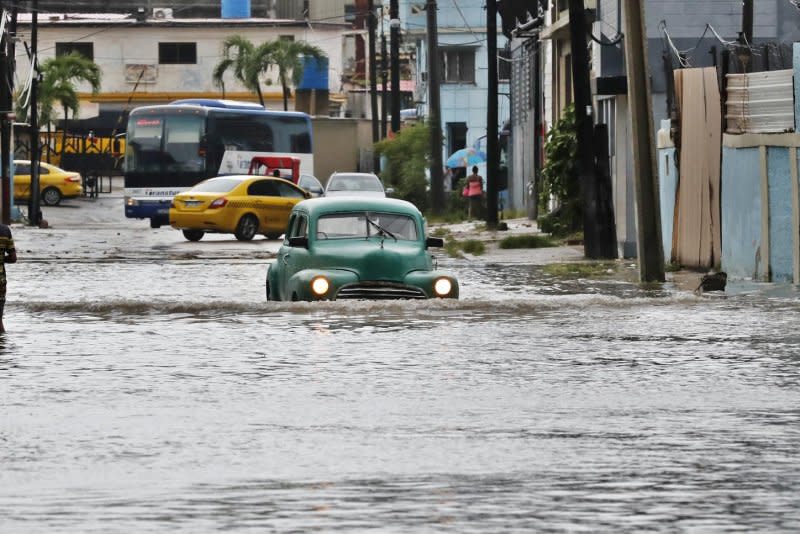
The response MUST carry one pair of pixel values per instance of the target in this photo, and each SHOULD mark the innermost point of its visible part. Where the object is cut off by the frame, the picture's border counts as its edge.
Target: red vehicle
(268, 165)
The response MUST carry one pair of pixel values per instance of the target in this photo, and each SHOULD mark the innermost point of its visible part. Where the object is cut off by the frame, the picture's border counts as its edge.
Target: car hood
(369, 260)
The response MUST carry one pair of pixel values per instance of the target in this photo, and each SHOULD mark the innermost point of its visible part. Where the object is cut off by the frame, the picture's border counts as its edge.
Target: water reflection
(178, 399)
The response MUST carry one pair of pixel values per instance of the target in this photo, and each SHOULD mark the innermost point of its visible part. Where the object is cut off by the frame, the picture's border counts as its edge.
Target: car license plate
(192, 203)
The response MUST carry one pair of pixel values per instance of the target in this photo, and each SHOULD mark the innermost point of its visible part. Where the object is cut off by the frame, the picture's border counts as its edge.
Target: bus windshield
(165, 144)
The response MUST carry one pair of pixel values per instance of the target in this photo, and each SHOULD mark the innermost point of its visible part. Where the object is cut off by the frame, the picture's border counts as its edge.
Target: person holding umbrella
(474, 193)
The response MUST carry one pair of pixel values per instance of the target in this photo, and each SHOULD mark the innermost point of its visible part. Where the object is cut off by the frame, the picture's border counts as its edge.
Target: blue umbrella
(465, 157)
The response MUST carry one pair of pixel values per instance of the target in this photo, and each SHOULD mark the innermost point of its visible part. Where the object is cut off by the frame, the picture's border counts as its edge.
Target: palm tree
(288, 57)
(60, 74)
(239, 54)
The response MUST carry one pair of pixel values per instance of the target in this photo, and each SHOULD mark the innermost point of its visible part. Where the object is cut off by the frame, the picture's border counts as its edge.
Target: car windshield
(354, 182)
(216, 185)
(366, 224)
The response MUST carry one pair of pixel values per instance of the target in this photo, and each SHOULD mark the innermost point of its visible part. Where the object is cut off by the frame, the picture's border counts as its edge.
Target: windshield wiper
(380, 228)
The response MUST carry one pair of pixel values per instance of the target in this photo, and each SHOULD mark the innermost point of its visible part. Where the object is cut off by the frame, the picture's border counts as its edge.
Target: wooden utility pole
(492, 144)
(648, 218)
(597, 243)
(373, 80)
(6, 116)
(384, 82)
(34, 207)
(373, 72)
(747, 21)
(394, 53)
(434, 110)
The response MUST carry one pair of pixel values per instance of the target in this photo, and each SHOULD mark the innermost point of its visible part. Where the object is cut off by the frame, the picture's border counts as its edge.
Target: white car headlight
(320, 285)
(442, 287)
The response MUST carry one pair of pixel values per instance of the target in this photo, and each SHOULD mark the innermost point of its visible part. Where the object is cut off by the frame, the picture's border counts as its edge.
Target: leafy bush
(560, 180)
(407, 158)
(526, 241)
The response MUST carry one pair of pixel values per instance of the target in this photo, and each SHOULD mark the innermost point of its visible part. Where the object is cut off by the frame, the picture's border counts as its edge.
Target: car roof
(324, 205)
(365, 174)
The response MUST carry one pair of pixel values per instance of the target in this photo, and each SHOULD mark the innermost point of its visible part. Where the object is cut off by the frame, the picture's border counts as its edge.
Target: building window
(458, 65)
(177, 53)
(504, 65)
(84, 49)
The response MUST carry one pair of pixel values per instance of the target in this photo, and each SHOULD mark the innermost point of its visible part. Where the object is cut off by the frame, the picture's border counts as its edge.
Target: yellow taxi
(54, 183)
(242, 205)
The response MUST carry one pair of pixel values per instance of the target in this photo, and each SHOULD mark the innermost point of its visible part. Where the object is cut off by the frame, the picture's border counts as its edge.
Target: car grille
(379, 291)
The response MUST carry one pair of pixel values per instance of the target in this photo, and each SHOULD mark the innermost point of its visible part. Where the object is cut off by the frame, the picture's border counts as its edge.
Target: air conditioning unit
(162, 13)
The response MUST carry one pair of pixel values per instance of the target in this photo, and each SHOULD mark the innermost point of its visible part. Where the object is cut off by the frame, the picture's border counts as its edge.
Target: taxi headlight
(320, 285)
(442, 287)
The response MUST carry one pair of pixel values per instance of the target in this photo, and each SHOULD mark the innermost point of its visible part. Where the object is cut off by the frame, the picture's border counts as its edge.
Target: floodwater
(155, 390)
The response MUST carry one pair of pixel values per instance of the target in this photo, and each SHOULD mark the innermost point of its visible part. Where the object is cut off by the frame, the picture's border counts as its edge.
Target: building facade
(463, 61)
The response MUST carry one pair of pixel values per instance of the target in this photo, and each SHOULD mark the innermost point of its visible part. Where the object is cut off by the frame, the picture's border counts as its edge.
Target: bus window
(244, 133)
(182, 143)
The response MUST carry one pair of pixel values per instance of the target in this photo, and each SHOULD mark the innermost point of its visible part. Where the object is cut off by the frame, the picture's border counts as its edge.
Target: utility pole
(747, 21)
(434, 110)
(373, 79)
(384, 82)
(394, 45)
(648, 219)
(492, 143)
(592, 235)
(6, 113)
(34, 212)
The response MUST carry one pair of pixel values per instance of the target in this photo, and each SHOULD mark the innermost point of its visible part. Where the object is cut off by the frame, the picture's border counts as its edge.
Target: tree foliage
(249, 62)
(559, 177)
(407, 159)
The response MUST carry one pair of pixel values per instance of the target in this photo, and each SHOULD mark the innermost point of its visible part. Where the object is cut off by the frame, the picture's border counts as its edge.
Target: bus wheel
(193, 235)
(154, 223)
(51, 196)
(247, 228)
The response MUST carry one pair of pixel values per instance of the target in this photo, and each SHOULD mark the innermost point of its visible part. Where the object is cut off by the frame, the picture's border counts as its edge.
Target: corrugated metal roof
(760, 102)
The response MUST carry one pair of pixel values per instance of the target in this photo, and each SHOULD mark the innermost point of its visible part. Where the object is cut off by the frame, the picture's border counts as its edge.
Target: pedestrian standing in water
(8, 254)
(474, 193)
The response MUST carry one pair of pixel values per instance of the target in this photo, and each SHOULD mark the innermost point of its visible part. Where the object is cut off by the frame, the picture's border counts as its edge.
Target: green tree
(60, 75)
(559, 177)
(288, 57)
(238, 54)
(250, 62)
(407, 158)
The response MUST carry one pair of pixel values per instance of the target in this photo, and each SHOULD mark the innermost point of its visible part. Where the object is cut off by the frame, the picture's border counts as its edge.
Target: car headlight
(320, 285)
(442, 287)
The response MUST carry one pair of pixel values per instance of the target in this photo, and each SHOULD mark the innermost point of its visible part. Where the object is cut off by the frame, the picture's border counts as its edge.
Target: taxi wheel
(247, 228)
(193, 235)
(51, 196)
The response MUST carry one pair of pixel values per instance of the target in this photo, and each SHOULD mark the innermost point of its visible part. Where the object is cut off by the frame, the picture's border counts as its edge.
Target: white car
(363, 184)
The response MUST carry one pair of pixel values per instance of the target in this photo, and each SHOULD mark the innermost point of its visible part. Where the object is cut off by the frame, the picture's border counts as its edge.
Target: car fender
(300, 282)
(425, 280)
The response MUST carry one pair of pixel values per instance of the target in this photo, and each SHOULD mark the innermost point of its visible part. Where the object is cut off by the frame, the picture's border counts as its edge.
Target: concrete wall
(337, 144)
(138, 44)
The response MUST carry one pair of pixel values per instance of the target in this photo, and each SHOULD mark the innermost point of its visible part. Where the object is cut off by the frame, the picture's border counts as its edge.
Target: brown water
(165, 394)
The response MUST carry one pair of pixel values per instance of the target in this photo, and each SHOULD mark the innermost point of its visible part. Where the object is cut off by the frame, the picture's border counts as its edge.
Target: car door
(293, 259)
(290, 195)
(22, 180)
(264, 198)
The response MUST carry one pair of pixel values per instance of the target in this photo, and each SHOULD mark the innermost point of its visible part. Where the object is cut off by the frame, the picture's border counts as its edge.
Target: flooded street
(146, 385)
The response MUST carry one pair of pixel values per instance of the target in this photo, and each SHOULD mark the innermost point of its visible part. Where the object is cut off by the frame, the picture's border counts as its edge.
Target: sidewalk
(534, 256)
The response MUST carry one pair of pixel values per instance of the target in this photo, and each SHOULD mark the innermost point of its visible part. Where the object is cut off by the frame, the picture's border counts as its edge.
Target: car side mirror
(434, 242)
(298, 241)
(307, 194)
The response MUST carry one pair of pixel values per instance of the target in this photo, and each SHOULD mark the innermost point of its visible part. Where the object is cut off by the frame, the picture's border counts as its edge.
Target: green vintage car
(357, 248)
